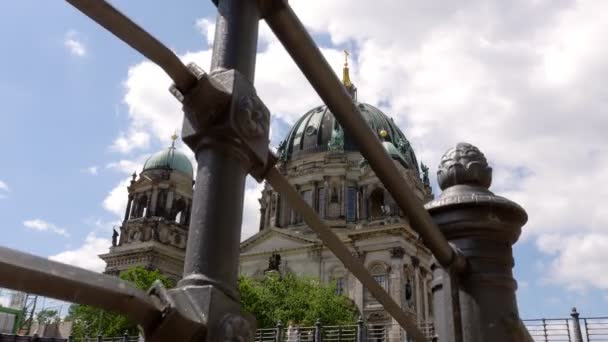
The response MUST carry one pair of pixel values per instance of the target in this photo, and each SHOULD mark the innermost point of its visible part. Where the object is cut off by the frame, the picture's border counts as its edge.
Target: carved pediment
(271, 240)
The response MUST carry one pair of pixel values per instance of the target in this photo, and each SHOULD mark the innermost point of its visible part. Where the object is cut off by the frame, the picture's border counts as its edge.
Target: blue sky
(81, 111)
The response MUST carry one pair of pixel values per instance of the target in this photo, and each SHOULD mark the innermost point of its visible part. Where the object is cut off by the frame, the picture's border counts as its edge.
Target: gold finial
(173, 138)
(345, 72)
(383, 133)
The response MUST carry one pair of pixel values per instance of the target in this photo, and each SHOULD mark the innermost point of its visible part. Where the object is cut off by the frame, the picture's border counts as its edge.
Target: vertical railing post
(586, 329)
(318, 331)
(215, 224)
(87, 338)
(576, 324)
(360, 330)
(125, 336)
(545, 330)
(279, 332)
(217, 132)
(479, 304)
(99, 338)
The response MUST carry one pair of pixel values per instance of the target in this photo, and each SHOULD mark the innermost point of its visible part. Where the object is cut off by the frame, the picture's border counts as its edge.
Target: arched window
(142, 206)
(178, 210)
(379, 272)
(376, 203)
(338, 277)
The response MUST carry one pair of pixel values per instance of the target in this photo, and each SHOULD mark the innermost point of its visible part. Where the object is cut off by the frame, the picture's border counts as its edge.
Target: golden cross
(346, 54)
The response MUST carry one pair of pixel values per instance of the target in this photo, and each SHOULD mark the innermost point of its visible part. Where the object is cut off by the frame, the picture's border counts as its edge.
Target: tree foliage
(301, 300)
(47, 316)
(90, 321)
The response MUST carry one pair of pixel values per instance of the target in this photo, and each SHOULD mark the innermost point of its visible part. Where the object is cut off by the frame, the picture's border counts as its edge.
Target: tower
(155, 227)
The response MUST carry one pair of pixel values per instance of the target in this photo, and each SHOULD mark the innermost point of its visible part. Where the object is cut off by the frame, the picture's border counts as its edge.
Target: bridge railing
(226, 125)
(571, 329)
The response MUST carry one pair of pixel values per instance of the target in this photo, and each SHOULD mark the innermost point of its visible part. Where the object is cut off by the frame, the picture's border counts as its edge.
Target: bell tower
(155, 227)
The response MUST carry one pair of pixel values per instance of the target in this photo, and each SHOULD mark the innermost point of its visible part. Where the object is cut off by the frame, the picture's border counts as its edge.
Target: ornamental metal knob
(464, 164)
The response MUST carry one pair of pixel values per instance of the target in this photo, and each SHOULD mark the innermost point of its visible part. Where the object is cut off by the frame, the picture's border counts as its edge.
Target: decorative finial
(383, 133)
(345, 72)
(464, 164)
(173, 138)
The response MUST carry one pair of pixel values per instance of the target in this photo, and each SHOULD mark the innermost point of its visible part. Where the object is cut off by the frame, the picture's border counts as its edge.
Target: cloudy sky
(520, 79)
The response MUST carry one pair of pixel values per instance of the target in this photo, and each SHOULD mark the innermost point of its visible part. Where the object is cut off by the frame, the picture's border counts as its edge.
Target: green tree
(88, 320)
(302, 300)
(47, 316)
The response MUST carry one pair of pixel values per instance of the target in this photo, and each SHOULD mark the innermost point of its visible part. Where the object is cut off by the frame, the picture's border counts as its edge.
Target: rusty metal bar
(32, 274)
(280, 183)
(296, 40)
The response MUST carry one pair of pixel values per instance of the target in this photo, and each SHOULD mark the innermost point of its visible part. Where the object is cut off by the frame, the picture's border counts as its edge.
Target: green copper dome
(171, 159)
(318, 131)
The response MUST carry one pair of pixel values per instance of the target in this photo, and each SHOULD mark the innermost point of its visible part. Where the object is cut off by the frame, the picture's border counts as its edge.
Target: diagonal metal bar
(280, 183)
(32, 274)
(129, 32)
(296, 40)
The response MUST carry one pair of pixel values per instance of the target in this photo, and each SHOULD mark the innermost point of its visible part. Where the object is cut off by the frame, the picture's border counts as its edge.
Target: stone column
(128, 211)
(425, 296)
(342, 197)
(483, 227)
(364, 211)
(418, 294)
(149, 204)
(154, 201)
(169, 204)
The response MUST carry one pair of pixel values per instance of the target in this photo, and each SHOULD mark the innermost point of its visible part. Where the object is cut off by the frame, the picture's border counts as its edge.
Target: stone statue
(405, 149)
(425, 175)
(274, 262)
(282, 151)
(114, 238)
(408, 291)
(336, 142)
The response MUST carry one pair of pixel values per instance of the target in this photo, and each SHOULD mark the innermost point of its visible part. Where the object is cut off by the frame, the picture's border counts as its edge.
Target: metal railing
(226, 124)
(572, 329)
(340, 333)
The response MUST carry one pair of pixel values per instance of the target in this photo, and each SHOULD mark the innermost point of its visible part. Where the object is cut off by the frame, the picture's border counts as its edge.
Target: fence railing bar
(32, 274)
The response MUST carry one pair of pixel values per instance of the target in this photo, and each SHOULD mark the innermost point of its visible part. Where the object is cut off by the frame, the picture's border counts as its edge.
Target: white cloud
(251, 208)
(74, 45)
(3, 189)
(580, 259)
(92, 170)
(126, 143)
(44, 226)
(3, 186)
(519, 80)
(116, 201)
(85, 256)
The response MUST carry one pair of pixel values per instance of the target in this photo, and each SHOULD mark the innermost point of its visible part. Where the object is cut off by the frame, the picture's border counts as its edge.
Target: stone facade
(337, 182)
(155, 227)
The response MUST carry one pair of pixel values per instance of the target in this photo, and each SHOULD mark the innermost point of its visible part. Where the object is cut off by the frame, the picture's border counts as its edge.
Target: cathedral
(323, 163)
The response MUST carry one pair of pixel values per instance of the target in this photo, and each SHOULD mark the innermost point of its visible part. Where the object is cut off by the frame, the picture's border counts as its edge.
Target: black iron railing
(226, 125)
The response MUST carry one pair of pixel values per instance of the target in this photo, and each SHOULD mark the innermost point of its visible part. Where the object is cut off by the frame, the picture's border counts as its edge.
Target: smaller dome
(171, 159)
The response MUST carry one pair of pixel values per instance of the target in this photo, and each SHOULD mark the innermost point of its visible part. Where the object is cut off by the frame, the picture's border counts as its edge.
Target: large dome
(319, 131)
(171, 159)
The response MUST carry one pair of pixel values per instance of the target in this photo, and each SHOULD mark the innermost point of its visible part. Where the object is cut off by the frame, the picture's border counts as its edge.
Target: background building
(324, 164)
(155, 227)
